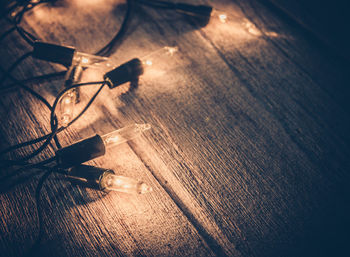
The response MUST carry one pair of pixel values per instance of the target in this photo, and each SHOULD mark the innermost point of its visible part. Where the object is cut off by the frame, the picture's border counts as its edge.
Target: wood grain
(248, 154)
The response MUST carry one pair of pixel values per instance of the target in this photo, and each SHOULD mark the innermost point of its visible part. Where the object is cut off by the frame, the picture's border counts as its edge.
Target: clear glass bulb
(67, 104)
(124, 134)
(90, 60)
(71, 97)
(158, 57)
(124, 184)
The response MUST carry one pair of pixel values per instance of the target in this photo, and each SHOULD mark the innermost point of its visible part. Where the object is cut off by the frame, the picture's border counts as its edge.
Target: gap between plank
(216, 248)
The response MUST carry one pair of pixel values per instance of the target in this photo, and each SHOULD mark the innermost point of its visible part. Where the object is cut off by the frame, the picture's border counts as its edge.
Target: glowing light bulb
(158, 55)
(125, 134)
(71, 97)
(67, 104)
(124, 184)
(89, 60)
(93, 147)
(223, 17)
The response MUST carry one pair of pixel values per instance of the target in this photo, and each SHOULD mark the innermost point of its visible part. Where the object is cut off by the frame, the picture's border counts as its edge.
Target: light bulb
(90, 60)
(105, 180)
(163, 54)
(124, 184)
(93, 147)
(67, 105)
(70, 98)
(125, 134)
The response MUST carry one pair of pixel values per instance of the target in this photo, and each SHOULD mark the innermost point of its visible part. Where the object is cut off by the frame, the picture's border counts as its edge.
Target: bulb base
(126, 72)
(82, 151)
(53, 53)
(89, 176)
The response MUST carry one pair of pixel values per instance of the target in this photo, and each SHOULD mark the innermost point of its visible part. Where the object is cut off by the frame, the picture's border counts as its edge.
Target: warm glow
(219, 15)
(251, 28)
(157, 63)
(148, 62)
(67, 104)
(223, 17)
(171, 50)
(110, 140)
(67, 100)
(84, 60)
(90, 60)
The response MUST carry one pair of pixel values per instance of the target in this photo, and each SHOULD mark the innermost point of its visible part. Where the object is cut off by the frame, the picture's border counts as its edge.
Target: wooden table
(248, 153)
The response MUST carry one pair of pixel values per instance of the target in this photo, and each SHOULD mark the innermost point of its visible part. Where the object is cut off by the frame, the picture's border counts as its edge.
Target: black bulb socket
(126, 72)
(79, 152)
(53, 53)
(89, 176)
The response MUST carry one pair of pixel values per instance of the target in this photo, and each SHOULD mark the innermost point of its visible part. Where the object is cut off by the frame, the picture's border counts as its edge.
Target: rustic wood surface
(248, 153)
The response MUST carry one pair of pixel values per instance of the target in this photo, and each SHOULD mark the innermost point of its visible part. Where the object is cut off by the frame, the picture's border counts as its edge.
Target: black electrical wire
(13, 66)
(11, 182)
(6, 33)
(118, 38)
(38, 189)
(106, 50)
(92, 99)
(29, 90)
(16, 20)
(39, 165)
(7, 163)
(33, 79)
(29, 38)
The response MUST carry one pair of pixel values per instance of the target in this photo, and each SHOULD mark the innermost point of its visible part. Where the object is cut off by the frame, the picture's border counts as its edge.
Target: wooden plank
(250, 136)
(256, 142)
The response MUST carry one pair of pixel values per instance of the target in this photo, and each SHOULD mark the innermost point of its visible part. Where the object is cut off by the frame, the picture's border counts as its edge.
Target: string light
(93, 147)
(78, 61)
